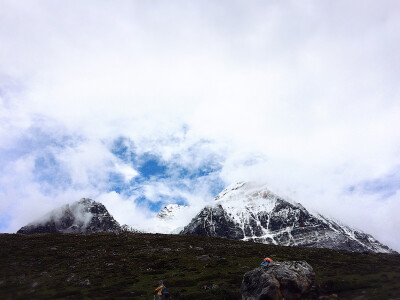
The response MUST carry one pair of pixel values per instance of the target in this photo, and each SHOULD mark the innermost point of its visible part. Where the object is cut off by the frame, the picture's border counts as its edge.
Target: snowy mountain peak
(85, 215)
(250, 211)
(244, 199)
(252, 190)
(170, 211)
(86, 202)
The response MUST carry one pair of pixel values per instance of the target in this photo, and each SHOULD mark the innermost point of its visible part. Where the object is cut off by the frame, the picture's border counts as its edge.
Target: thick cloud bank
(141, 104)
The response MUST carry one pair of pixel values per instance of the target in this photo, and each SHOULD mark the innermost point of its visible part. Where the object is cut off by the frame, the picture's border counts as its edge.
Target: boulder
(203, 257)
(86, 282)
(287, 280)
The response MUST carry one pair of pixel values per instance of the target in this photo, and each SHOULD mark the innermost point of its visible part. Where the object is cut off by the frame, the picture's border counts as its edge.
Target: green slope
(128, 265)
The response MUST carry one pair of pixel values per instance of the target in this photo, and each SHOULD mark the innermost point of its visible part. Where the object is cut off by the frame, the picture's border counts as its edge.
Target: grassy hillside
(129, 266)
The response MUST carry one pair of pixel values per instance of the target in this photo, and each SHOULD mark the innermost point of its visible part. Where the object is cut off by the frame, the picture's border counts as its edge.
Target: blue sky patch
(386, 185)
(37, 140)
(48, 170)
(4, 221)
(124, 149)
(147, 164)
(151, 166)
(116, 182)
(156, 206)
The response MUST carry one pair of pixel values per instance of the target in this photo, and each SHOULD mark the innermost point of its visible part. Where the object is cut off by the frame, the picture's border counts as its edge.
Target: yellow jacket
(159, 290)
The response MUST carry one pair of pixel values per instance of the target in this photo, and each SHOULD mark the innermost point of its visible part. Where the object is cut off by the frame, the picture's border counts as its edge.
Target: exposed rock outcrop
(83, 216)
(250, 212)
(288, 280)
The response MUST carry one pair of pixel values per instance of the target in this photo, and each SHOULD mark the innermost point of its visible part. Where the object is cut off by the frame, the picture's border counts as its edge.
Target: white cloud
(127, 171)
(305, 97)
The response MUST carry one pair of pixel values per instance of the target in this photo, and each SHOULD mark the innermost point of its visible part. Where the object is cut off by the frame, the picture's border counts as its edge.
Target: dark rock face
(214, 221)
(288, 280)
(253, 213)
(84, 216)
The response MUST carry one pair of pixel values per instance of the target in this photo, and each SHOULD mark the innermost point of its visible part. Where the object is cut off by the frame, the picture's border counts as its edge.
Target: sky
(140, 104)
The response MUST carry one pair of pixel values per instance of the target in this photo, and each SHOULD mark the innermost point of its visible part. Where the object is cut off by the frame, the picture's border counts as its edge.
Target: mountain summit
(83, 216)
(244, 211)
(250, 212)
(170, 211)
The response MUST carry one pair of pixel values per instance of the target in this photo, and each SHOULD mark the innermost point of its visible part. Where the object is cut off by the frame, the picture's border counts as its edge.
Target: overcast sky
(138, 104)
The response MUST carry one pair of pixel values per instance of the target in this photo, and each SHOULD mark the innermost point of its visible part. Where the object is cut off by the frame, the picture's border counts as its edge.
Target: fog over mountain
(246, 211)
(83, 216)
(143, 104)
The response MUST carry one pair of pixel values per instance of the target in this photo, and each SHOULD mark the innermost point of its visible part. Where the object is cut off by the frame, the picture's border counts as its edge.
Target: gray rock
(288, 280)
(203, 257)
(70, 277)
(86, 282)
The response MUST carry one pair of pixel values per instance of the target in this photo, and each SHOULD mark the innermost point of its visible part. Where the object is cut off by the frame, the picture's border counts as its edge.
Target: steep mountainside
(83, 216)
(250, 212)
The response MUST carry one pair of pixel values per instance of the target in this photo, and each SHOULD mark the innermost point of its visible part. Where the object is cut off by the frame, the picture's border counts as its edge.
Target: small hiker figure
(161, 291)
(266, 261)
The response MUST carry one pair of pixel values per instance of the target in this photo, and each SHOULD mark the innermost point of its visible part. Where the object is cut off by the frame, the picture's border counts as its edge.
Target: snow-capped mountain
(83, 216)
(127, 228)
(250, 212)
(244, 211)
(172, 218)
(170, 211)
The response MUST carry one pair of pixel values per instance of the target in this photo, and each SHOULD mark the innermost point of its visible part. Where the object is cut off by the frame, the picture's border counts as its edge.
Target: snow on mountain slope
(170, 220)
(249, 211)
(171, 211)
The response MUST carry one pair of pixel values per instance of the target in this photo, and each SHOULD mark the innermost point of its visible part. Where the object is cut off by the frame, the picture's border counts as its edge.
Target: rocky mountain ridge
(250, 212)
(244, 211)
(83, 216)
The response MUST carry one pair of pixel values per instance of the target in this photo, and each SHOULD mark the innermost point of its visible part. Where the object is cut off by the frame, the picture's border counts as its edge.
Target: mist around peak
(83, 216)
